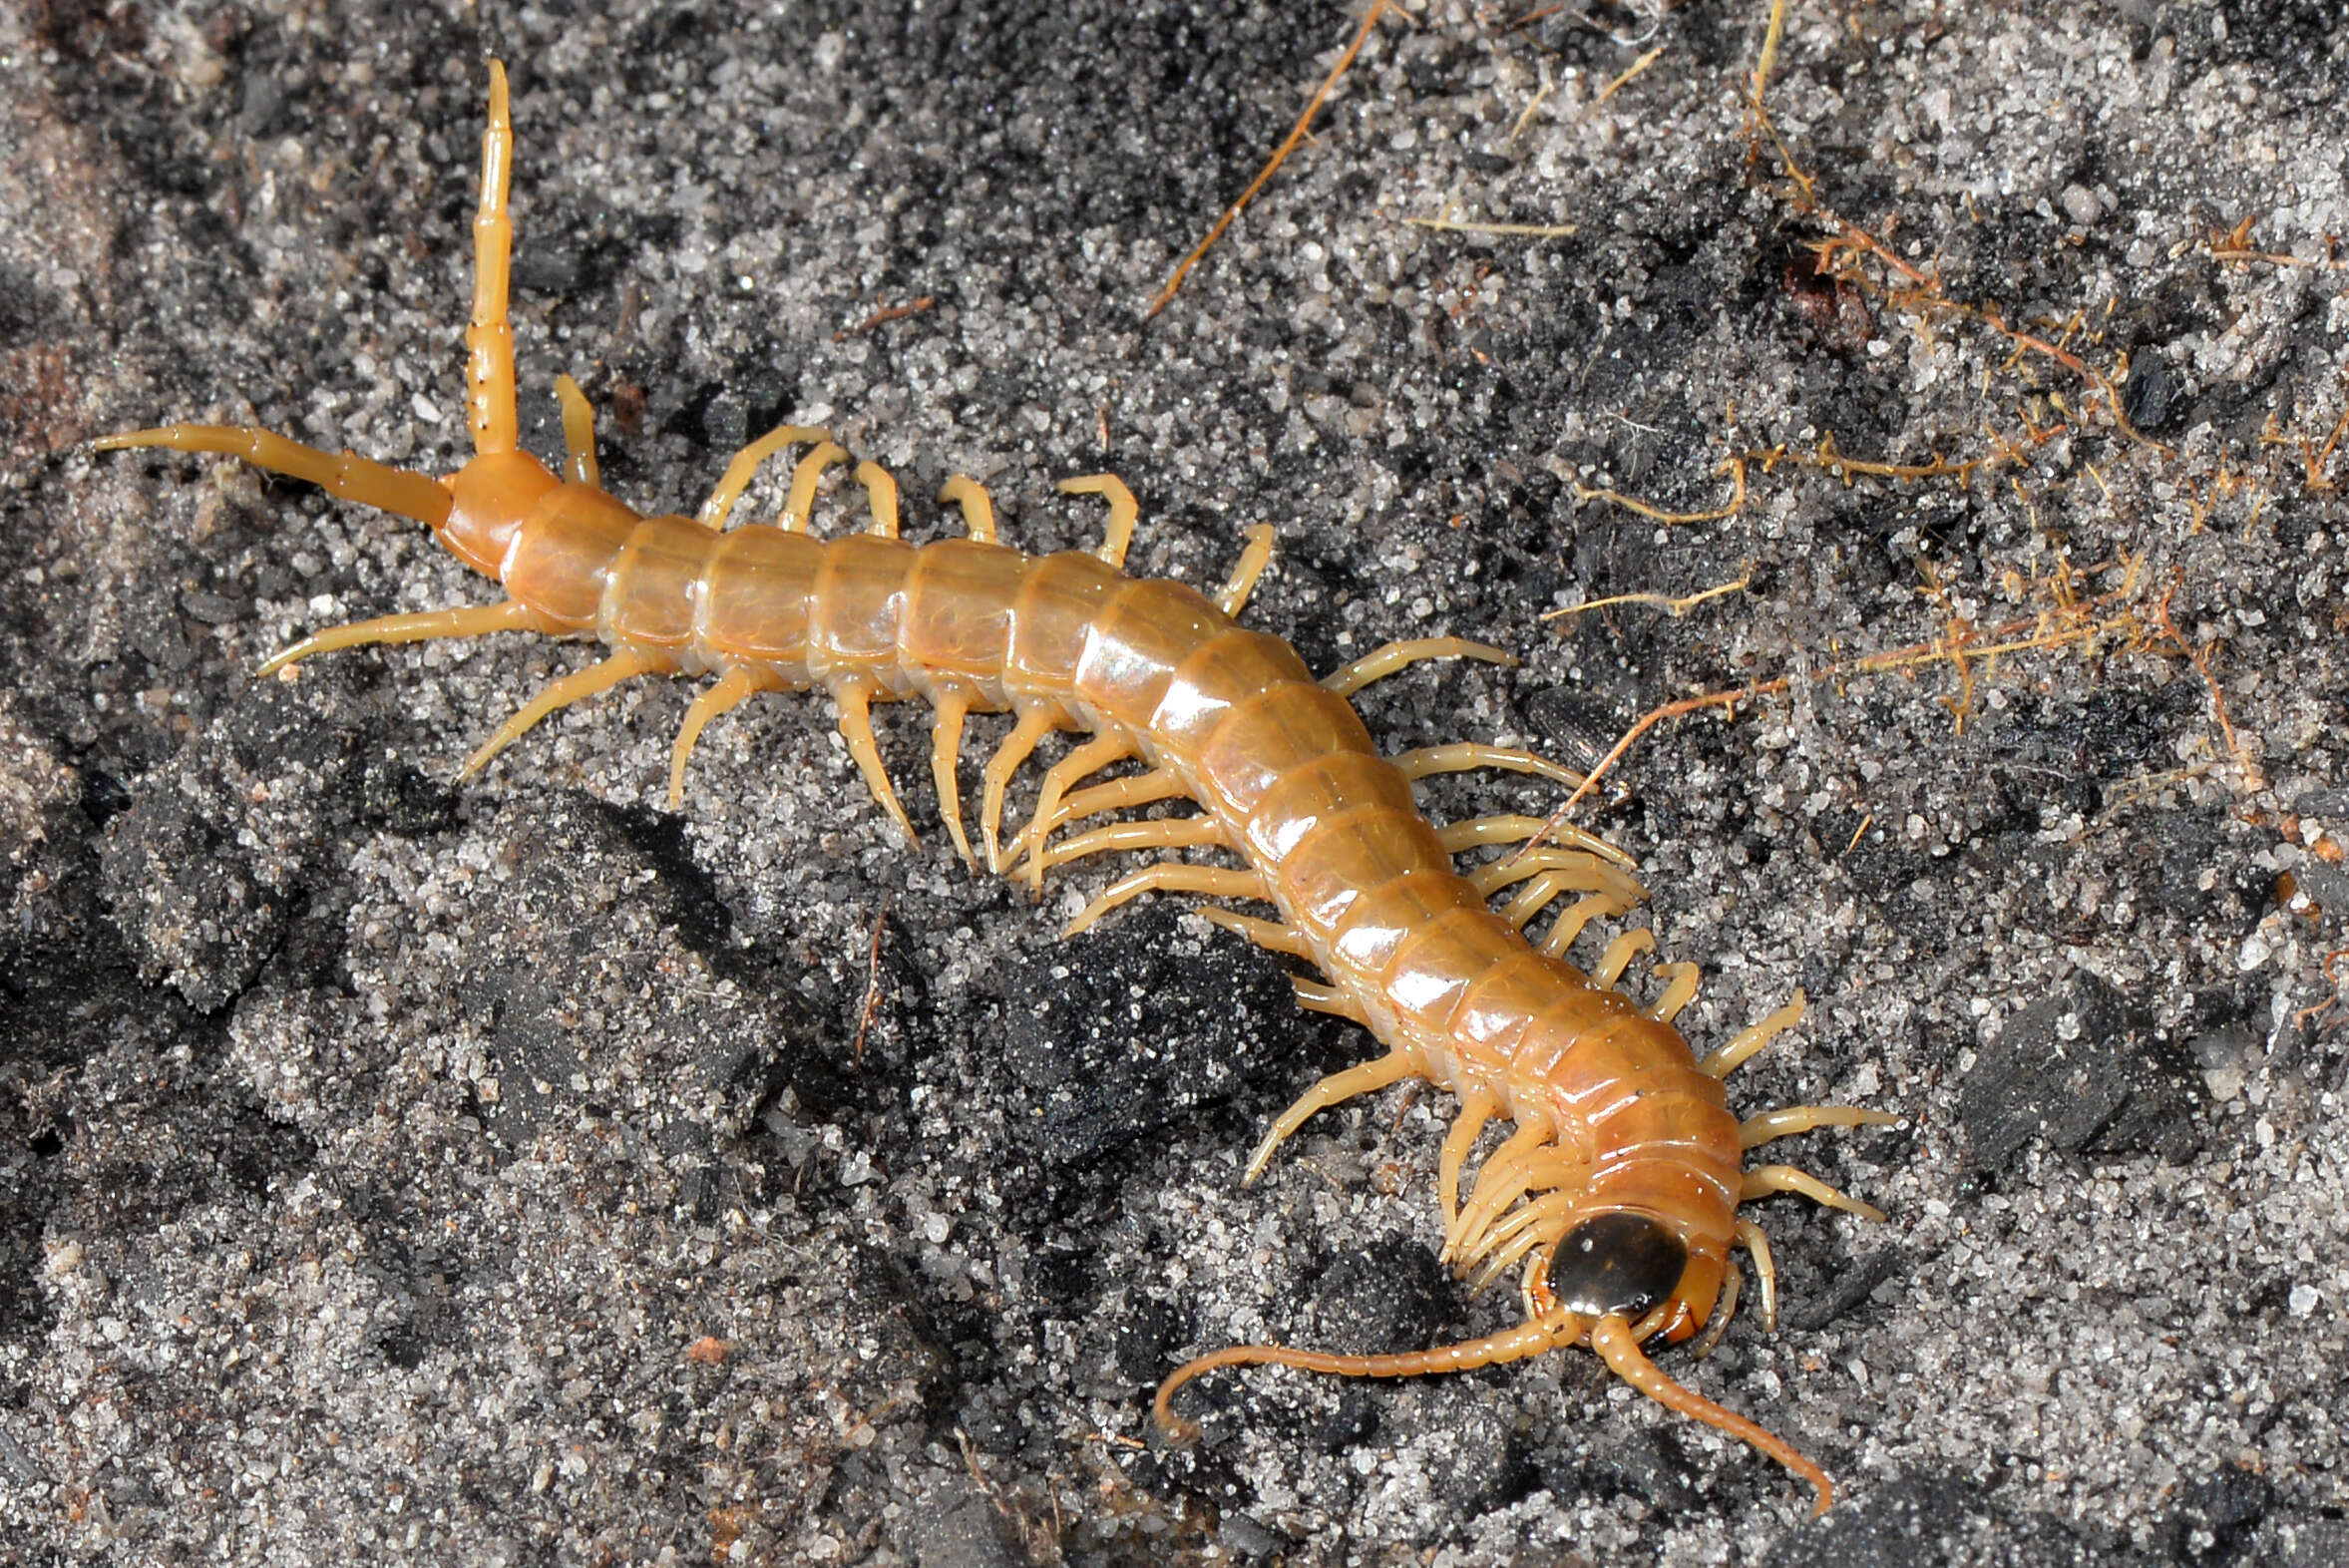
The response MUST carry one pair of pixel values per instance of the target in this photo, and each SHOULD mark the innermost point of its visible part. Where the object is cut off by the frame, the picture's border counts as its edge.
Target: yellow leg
(1033, 725)
(1477, 1110)
(978, 513)
(1619, 952)
(559, 694)
(1500, 1181)
(1763, 1180)
(489, 340)
(1756, 1132)
(402, 492)
(1569, 925)
(881, 494)
(1460, 756)
(1314, 996)
(856, 727)
(1338, 1087)
(1122, 512)
(946, 749)
(1724, 1308)
(1577, 872)
(1680, 989)
(802, 500)
(464, 620)
(1380, 663)
(1091, 757)
(1740, 1051)
(1505, 829)
(1140, 789)
(745, 463)
(1766, 1270)
(1215, 882)
(1253, 560)
(1268, 934)
(1163, 833)
(579, 434)
(718, 697)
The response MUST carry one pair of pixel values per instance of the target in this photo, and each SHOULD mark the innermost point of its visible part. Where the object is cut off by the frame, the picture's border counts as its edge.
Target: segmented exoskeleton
(1620, 1186)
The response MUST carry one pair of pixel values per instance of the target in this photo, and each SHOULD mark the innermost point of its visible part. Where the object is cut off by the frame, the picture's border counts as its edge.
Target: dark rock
(2082, 1072)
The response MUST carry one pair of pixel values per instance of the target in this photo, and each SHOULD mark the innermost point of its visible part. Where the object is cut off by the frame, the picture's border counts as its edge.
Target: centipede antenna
(1612, 1338)
(489, 340)
(978, 511)
(1122, 511)
(1510, 1345)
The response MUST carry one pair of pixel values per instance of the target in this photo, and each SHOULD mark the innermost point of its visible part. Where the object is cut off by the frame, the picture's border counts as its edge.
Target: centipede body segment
(1617, 1191)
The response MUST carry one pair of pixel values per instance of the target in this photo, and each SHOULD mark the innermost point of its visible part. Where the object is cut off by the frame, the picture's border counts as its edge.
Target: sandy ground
(515, 1171)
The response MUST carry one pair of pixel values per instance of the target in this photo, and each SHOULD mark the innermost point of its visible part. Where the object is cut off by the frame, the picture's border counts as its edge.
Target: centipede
(1617, 1192)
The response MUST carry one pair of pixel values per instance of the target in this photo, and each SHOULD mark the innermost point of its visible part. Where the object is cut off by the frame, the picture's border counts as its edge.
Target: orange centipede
(1618, 1189)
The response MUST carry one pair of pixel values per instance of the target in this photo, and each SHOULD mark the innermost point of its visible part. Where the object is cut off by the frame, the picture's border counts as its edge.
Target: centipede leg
(1101, 751)
(720, 696)
(1336, 1088)
(1618, 956)
(1766, 1270)
(1234, 596)
(1122, 512)
(562, 693)
(1460, 756)
(1162, 833)
(1140, 789)
(1381, 662)
(1315, 996)
(1740, 1049)
(978, 511)
(1680, 989)
(463, 620)
(1569, 925)
(1271, 935)
(1512, 829)
(1756, 1132)
(399, 490)
(1500, 1181)
(579, 434)
(802, 500)
(1763, 1180)
(881, 500)
(1477, 1110)
(1215, 882)
(745, 464)
(1032, 726)
(855, 700)
(946, 749)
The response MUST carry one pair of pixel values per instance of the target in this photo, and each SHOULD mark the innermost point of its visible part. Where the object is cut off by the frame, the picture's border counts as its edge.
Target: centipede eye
(1618, 1262)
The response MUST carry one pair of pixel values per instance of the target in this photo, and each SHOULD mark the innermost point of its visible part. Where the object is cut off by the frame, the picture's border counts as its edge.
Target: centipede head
(1621, 1261)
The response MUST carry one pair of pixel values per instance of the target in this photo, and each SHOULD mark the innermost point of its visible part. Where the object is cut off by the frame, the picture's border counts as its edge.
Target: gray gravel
(513, 1171)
